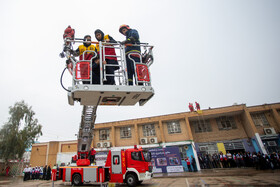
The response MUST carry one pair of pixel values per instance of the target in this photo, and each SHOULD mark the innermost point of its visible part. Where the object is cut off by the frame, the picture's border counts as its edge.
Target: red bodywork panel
(77, 170)
(83, 70)
(101, 176)
(140, 166)
(83, 162)
(142, 72)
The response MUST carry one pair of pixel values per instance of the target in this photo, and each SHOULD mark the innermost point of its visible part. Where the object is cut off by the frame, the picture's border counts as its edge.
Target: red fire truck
(130, 166)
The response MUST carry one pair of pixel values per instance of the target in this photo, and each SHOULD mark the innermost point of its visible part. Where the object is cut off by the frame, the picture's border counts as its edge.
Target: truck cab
(131, 166)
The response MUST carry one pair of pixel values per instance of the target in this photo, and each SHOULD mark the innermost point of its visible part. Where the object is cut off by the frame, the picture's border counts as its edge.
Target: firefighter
(197, 106)
(74, 158)
(88, 56)
(92, 153)
(99, 35)
(191, 107)
(132, 37)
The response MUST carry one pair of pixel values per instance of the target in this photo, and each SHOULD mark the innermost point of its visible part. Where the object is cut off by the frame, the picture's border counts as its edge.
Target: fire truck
(130, 166)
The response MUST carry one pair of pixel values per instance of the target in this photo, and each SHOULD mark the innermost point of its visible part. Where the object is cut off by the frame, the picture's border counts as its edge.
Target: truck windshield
(136, 156)
(147, 156)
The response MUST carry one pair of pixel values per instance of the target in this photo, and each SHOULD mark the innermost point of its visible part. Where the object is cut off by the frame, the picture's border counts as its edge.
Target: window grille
(173, 127)
(149, 130)
(260, 120)
(125, 132)
(201, 126)
(233, 145)
(226, 123)
(104, 134)
(208, 148)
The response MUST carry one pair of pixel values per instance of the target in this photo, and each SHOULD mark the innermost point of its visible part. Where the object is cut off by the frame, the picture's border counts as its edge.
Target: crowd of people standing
(37, 173)
(246, 159)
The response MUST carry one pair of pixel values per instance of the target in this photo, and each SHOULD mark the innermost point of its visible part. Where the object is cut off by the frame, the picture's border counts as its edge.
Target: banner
(100, 158)
(166, 160)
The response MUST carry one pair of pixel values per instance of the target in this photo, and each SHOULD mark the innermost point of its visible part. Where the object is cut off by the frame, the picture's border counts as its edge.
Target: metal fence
(15, 168)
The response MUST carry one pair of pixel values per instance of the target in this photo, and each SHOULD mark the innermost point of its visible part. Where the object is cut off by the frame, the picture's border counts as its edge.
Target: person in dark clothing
(45, 172)
(207, 161)
(201, 162)
(111, 59)
(132, 52)
(273, 161)
(262, 162)
(49, 172)
(33, 173)
(267, 162)
(193, 163)
(216, 160)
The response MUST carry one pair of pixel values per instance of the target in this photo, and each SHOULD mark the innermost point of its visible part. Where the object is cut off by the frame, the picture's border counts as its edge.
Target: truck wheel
(131, 180)
(77, 180)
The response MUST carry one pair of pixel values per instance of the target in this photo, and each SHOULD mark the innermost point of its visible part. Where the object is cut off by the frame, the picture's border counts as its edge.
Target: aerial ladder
(91, 95)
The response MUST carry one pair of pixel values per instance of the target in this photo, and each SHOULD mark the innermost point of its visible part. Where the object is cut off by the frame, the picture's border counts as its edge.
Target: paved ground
(215, 177)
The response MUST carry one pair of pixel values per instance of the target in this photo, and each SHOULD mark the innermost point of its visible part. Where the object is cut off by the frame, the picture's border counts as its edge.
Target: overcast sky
(217, 52)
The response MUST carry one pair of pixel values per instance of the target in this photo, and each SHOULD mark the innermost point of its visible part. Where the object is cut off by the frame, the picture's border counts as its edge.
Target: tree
(20, 132)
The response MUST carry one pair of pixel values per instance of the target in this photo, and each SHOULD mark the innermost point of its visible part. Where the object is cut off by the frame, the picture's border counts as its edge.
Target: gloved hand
(131, 40)
(123, 42)
(66, 48)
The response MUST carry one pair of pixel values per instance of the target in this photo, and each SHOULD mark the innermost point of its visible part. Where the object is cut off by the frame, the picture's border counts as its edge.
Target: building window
(201, 126)
(173, 127)
(226, 123)
(149, 130)
(125, 132)
(104, 134)
(260, 120)
(208, 148)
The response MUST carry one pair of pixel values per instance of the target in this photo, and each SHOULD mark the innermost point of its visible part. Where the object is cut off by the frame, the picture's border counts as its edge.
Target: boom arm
(86, 131)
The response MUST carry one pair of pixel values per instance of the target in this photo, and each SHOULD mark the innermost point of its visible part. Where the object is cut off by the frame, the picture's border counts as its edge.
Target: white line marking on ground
(187, 182)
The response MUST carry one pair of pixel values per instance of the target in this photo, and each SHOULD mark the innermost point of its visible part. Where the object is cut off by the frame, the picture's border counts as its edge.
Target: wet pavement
(213, 177)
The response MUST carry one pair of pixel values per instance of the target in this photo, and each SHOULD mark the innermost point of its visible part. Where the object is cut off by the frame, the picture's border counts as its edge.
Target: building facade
(236, 128)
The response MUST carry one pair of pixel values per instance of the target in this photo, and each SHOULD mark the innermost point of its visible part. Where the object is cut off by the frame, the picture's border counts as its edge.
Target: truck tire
(76, 179)
(131, 180)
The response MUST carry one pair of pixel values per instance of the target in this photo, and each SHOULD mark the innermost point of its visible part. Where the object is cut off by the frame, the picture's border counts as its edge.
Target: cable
(61, 80)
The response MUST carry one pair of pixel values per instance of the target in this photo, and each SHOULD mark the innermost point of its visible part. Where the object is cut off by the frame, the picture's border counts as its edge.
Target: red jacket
(92, 152)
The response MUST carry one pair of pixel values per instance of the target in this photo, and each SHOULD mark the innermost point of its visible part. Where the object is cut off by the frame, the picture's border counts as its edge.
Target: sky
(215, 52)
